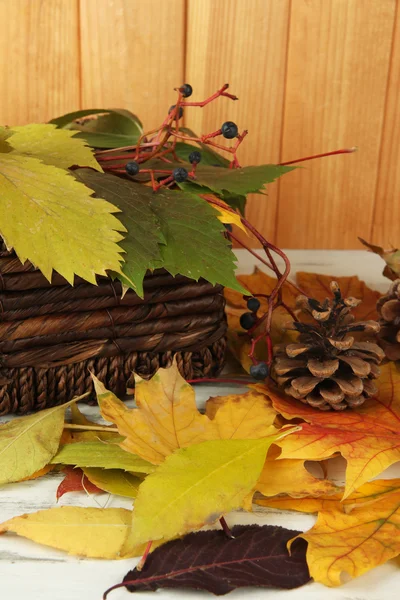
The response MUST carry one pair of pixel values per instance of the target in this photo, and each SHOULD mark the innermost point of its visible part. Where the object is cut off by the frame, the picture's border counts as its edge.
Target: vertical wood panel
(386, 222)
(243, 43)
(39, 59)
(132, 55)
(337, 74)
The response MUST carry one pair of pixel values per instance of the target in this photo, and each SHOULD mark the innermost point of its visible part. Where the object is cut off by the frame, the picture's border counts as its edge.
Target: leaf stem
(226, 528)
(342, 151)
(90, 427)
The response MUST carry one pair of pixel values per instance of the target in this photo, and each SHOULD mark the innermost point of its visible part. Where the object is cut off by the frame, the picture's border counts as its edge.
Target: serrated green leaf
(100, 455)
(114, 481)
(195, 486)
(239, 181)
(195, 246)
(208, 157)
(55, 223)
(27, 444)
(141, 243)
(233, 200)
(187, 231)
(58, 147)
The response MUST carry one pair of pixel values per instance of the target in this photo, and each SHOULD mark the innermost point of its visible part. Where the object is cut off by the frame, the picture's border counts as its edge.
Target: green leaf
(5, 133)
(27, 444)
(53, 146)
(141, 243)
(55, 223)
(100, 455)
(187, 230)
(195, 486)
(114, 481)
(195, 246)
(208, 157)
(114, 128)
(233, 200)
(239, 181)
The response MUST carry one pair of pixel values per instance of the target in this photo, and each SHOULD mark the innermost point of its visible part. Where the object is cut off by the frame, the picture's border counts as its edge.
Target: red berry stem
(142, 561)
(342, 151)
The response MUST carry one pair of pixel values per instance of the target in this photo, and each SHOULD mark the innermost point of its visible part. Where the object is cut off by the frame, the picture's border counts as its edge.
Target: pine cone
(327, 368)
(389, 312)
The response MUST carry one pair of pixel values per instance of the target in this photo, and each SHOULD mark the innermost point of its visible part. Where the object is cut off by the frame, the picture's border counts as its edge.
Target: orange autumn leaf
(368, 437)
(317, 286)
(354, 542)
(367, 495)
(289, 476)
(40, 473)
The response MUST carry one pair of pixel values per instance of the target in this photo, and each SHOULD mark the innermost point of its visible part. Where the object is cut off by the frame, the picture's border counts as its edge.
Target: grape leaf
(190, 242)
(28, 443)
(195, 486)
(91, 532)
(75, 481)
(114, 481)
(109, 128)
(141, 243)
(102, 455)
(53, 146)
(195, 246)
(209, 560)
(56, 223)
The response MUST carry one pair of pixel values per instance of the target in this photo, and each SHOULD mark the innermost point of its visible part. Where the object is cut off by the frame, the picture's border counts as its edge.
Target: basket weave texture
(53, 335)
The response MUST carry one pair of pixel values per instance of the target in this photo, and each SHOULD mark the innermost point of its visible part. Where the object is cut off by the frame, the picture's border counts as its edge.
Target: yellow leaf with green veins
(195, 486)
(91, 532)
(55, 223)
(27, 444)
(58, 147)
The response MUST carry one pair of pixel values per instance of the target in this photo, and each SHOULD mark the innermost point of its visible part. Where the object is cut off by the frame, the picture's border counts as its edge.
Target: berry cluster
(161, 142)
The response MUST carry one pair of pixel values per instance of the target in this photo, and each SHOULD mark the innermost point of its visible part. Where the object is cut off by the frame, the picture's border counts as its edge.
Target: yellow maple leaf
(290, 477)
(355, 542)
(241, 416)
(166, 418)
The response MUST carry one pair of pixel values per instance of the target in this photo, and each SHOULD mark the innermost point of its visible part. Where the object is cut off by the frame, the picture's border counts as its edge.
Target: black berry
(253, 304)
(259, 371)
(186, 90)
(229, 130)
(180, 115)
(195, 157)
(132, 168)
(247, 320)
(180, 174)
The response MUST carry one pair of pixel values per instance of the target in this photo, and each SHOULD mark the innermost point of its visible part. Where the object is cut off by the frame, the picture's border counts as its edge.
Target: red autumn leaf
(368, 437)
(75, 481)
(209, 560)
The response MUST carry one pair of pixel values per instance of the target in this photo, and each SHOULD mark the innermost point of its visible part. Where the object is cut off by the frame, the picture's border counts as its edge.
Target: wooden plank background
(312, 76)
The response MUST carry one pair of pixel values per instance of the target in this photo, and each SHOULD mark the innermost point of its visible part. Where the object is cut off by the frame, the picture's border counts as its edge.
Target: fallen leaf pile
(186, 469)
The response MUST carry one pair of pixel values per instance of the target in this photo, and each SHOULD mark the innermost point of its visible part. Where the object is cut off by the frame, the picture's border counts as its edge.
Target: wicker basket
(53, 335)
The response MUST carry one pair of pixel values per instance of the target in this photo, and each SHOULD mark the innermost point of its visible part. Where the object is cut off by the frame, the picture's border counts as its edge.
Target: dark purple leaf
(209, 560)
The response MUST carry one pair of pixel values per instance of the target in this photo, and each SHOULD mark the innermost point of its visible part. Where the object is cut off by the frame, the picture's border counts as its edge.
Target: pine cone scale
(321, 368)
(389, 312)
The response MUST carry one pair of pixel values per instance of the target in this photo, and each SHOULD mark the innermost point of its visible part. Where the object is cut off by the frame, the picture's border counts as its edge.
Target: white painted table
(28, 570)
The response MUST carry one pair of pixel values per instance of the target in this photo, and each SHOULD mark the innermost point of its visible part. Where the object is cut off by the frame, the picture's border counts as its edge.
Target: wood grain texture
(244, 44)
(132, 55)
(39, 59)
(386, 221)
(338, 66)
